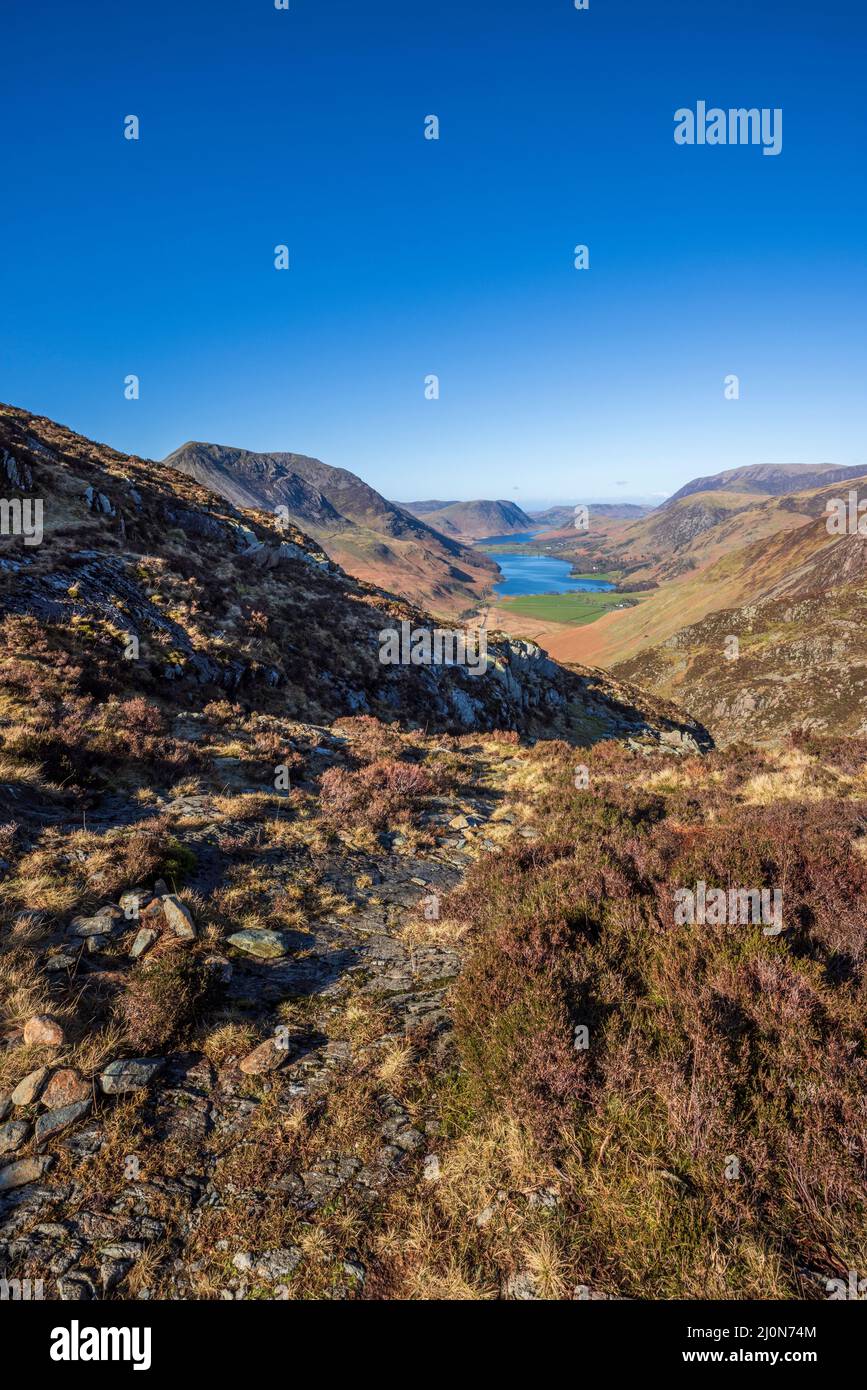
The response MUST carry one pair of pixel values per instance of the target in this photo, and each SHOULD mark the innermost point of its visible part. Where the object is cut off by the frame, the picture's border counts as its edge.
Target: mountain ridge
(368, 536)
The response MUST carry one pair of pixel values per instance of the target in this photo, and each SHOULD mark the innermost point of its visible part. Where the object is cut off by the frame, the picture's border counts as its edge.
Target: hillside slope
(369, 537)
(772, 479)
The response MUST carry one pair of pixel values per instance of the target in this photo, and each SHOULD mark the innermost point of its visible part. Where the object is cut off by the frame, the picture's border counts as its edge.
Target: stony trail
(222, 1176)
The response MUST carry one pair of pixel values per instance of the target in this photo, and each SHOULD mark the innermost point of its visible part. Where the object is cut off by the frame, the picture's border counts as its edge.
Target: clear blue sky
(411, 257)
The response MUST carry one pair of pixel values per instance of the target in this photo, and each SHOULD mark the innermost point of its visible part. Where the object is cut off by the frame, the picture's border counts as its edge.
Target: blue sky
(411, 257)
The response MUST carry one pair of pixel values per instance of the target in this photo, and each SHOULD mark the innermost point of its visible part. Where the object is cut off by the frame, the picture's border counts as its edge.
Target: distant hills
(556, 518)
(369, 537)
(472, 520)
(772, 479)
(745, 554)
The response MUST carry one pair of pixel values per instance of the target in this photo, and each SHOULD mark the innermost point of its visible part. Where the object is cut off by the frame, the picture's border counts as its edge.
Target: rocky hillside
(369, 537)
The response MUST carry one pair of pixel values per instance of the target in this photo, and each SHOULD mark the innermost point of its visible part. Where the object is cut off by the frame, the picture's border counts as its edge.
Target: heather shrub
(710, 1051)
(371, 740)
(375, 795)
(164, 998)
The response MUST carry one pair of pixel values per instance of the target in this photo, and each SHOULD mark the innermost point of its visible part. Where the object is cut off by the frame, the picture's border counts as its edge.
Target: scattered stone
(267, 1057)
(43, 1031)
(66, 1087)
(76, 1288)
(95, 944)
(258, 941)
(13, 1135)
(56, 1120)
(145, 938)
(355, 1270)
(270, 1265)
(431, 1172)
(88, 926)
(522, 1286)
(26, 1091)
(544, 1197)
(61, 961)
(129, 1074)
(25, 1170)
(111, 915)
(484, 1216)
(5, 1106)
(133, 901)
(178, 917)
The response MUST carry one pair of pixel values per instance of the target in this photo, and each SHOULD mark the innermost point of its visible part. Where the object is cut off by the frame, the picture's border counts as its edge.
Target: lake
(516, 538)
(542, 574)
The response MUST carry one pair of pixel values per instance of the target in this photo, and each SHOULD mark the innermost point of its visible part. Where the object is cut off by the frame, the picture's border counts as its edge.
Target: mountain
(368, 536)
(556, 518)
(472, 520)
(773, 479)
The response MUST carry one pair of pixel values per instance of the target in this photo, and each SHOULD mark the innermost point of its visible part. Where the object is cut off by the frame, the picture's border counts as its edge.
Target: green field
(562, 608)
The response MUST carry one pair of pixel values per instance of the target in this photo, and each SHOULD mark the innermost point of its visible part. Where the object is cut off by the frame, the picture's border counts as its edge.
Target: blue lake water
(542, 574)
(516, 538)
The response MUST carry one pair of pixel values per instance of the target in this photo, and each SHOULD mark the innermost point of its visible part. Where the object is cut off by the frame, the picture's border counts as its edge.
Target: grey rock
(55, 1120)
(13, 1135)
(17, 472)
(28, 1090)
(258, 941)
(178, 917)
(130, 1074)
(145, 938)
(270, 1264)
(24, 1171)
(431, 1171)
(132, 902)
(522, 1286)
(87, 926)
(60, 962)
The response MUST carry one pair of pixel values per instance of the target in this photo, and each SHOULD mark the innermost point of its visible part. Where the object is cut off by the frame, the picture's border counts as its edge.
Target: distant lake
(515, 538)
(542, 574)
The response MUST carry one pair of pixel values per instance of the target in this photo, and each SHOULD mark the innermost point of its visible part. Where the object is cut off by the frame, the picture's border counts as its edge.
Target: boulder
(55, 1120)
(13, 1135)
(129, 1074)
(145, 938)
(267, 1057)
(43, 1031)
(28, 1090)
(66, 1087)
(178, 917)
(23, 1171)
(258, 941)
